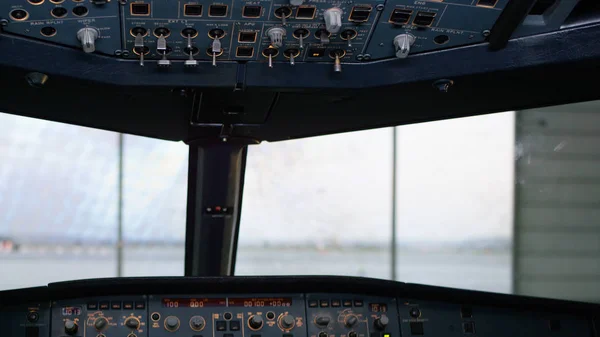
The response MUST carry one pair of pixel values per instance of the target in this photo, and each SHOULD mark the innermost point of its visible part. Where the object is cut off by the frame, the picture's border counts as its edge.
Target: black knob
(197, 323)
(100, 323)
(255, 322)
(382, 322)
(414, 312)
(287, 322)
(352, 334)
(33, 316)
(172, 323)
(350, 321)
(323, 334)
(132, 323)
(71, 327)
(322, 321)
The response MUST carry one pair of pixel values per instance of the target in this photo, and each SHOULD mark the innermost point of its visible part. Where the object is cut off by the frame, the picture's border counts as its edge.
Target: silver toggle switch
(402, 43)
(161, 46)
(216, 49)
(190, 62)
(88, 36)
(139, 45)
(337, 64)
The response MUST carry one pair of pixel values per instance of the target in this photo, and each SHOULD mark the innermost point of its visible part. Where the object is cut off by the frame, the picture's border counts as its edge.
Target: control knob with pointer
(88, 36)
(322, 321)
(132, 323)
(333, 20)
(71, 327)
(350, 321)
(255, 322)
(402, 44)
(100, 323)
(382, 322)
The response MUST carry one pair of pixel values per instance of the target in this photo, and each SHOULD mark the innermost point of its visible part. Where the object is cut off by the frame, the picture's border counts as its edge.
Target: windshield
(503, 202)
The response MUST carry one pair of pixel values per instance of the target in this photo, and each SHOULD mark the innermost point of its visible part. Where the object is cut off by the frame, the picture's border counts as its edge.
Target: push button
(336, 303)
(92, 306)
(128, 305)
(234, 325)
(104, 305)
(416, 328)
(358, 303)
(115, 305)
(347, 303)
(324, 303)
(221, 325)
(313, 303)
(140, 305)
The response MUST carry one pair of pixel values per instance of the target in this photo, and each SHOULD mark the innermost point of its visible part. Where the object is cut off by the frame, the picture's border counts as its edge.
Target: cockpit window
(324, 205)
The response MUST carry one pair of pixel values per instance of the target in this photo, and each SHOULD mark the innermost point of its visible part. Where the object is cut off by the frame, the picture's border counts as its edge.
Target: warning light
(218, 208)
(387, 335)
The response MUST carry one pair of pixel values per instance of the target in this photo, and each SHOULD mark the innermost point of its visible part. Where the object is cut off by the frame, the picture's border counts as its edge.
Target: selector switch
(350, 321)
(276, 35)
(132, 323)
(100, 323)
(382, 322)
(333, 20)
(88, 36)
(71, 327)
(402, 43)
(322, 321)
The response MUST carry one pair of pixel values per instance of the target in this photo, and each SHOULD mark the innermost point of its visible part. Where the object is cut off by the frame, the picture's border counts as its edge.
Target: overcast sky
(455, 182)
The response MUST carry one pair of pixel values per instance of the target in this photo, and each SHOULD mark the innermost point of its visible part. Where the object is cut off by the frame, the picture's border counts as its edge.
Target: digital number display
(193, 302)
(261, 302)
(378, 307)
(71, 311)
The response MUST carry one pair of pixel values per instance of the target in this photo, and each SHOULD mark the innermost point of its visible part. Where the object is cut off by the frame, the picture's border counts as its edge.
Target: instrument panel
(292, 314)
(192, 32)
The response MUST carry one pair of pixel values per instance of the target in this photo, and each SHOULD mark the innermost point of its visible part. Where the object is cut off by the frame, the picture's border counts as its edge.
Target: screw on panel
(381, 44)
(367, 57)
(486, 33)
(380, 7)
(123, 2)
(3, 22)
(359, 57)
(125, 53)
(118, 52)
(443, 85)
(36, 80)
